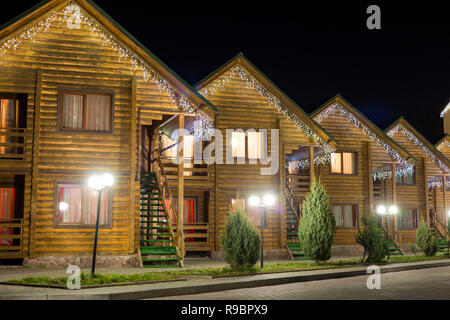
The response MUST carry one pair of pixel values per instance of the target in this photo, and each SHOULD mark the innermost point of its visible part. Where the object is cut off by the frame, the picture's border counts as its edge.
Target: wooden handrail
(291, 196)
(440, 226)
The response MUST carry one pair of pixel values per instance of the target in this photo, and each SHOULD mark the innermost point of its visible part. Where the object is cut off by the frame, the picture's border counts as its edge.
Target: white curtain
(336, 163)
(238, 144)
(73, 111)
(337, 211)
(254, 145)
(98, 113)
(348, 216)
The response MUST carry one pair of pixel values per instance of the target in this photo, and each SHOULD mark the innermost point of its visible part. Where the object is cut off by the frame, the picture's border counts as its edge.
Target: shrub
(425, 240)
(372, 238)
(316, 229)
(413, 248)
(240, 241)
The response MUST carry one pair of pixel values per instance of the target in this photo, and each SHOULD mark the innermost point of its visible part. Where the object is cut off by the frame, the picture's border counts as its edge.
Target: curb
(197, 289)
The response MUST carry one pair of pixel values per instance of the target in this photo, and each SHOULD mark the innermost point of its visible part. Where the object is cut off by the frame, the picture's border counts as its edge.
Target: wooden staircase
(394, 241)
(293, 215)
(439, 232)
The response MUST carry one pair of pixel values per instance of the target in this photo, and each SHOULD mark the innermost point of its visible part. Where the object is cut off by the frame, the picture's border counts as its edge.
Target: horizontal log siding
(350, 189)
(78, 59)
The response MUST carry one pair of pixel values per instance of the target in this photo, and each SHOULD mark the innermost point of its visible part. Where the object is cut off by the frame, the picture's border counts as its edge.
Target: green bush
(240, 241)
(424, 239)
(316, 229)
(373, 239)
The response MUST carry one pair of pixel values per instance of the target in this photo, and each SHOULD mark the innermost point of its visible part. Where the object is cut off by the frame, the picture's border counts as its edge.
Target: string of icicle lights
(442, 145)
(407, 168)
(62, 13)
(419, 143)
(244, 75)
(304, 164)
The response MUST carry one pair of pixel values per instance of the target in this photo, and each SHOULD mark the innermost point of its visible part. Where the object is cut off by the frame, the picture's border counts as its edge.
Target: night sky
(311, 52)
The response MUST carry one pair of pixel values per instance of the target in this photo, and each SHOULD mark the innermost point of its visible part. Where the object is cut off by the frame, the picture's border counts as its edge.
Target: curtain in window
(409, 179)
(190, 215)
(8, 119)
(98, 113)
(337, 211)
(7, 196)
(348, 163)
(336, 164)
(348, 216)
(238, 204)
(78, 205)
(73, 111)
(254, 145)
(408, 219)
(238, 144)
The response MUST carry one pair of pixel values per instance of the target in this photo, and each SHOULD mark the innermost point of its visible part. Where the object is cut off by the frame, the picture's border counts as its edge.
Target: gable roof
(367, 122)
(123, 35)
(447, 107)
(427, 144)
(243, 62)
(445, 138)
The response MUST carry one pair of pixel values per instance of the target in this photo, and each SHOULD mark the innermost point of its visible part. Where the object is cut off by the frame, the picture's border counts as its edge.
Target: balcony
(11, 238)
(12, 143)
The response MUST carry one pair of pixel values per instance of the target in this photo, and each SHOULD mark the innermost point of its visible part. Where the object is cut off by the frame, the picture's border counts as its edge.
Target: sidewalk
(196, 285)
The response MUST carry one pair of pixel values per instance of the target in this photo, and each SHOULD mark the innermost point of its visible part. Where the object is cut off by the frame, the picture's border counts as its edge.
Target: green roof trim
(126, 33)
(241, 55)
(417, 133)
(381, 132)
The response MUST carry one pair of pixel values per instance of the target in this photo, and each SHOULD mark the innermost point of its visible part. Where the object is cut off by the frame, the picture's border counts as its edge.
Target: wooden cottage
(251, 108)
(81, 96)
(359, 177)
(421, 196)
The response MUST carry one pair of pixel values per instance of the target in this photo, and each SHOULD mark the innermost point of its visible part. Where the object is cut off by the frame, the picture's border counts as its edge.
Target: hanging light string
(304, 164)
(419, 143)
(406, 168)
(240, 72)
(443, 144)
(70, 10)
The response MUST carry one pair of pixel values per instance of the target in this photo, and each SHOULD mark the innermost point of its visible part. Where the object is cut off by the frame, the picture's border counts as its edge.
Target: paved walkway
(427, 284)
(198, 285)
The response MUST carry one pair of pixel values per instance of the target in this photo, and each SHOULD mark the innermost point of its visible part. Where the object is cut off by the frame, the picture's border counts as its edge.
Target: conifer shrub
(316, 229)
(372, 238)
(240, 241)
(424, 239)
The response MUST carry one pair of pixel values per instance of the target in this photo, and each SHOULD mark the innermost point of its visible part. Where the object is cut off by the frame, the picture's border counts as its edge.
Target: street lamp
(382, 211)
(99, 183)
(268, 200)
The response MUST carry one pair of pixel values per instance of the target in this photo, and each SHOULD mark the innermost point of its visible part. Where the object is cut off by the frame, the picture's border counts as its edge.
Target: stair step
(156, 234)
(158, 228)
(162, 266)
(161, 259)
(156, 241)
(152, 216)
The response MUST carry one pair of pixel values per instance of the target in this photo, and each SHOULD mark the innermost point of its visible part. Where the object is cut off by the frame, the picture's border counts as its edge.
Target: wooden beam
(35, 163)
(425, 189)
(444, 193)
(311, 165)
(180, 193)
(394, 190)
(133, 163)
(282, 198)
(370, 179)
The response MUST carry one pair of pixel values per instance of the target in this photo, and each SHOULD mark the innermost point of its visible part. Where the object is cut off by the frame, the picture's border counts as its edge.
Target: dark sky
(310, 52)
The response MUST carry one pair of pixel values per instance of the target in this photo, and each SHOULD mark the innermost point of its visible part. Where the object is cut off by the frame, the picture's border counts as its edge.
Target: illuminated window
(408, 219)
(7, 197)
(346, 215)
(252, 212)
(254, 145)
(343, 163)
(238, 144)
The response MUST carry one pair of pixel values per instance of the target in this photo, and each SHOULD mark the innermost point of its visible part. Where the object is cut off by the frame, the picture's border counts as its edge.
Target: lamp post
(99, 183)
(268, 200)
(382, 211)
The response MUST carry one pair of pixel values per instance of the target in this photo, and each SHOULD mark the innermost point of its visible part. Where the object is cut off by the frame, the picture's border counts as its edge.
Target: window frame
(358, 218)
(56, 225)
(245, 197)
(196, 207)
(417, 219)
(403, 180)
(84, 93)
(246, 157)
(341, 152)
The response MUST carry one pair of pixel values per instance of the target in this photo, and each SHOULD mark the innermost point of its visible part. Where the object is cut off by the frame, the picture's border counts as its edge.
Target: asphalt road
(425, 284)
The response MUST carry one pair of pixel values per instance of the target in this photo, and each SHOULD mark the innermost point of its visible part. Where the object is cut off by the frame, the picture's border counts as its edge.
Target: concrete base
(82, 261)
(347, 250)
(268, 254)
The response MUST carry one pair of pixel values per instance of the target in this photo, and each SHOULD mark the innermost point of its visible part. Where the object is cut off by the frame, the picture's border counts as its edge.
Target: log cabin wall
(351, 189)
(77, 59)
(242, 107)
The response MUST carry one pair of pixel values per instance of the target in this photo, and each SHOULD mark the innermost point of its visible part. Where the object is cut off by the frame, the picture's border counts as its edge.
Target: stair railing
(290, 196)
(396, 233)
(164, 189)
(439, 225)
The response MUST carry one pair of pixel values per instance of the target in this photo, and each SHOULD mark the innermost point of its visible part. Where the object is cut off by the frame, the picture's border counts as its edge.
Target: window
(7, 196)
(12, 123)
(409, 179)
(238, 144)
(90, 112)
(252, 213)
(346, 215)
(254, 144)
(343, 163)
(190, 210)
(76, 205)
(171, 147)
(408, 219)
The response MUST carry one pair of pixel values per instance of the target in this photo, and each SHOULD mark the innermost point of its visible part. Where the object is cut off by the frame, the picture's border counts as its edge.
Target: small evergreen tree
(240, 241)
(424, 239)
(373, 239)
(316, 229)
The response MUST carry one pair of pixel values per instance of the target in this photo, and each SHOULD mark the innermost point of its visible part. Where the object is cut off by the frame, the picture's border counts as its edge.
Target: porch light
(393, 209)
(381, 210)
(269, 200)
(448, 214)
(254, 201)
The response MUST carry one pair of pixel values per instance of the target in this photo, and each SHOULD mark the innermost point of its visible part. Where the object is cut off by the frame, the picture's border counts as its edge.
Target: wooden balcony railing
(12, 143)
(11, 236)
(191, 171)
(196, 236)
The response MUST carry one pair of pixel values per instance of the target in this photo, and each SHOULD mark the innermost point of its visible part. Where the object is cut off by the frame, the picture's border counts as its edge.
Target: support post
(133, 169)
(180, 193)
(444, 194)
(370, 178)
(282, 201)
(425, 188)
(394, 192)
(311, 164)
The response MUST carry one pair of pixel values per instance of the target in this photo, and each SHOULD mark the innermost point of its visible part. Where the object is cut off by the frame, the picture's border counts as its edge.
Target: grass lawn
(99, 279)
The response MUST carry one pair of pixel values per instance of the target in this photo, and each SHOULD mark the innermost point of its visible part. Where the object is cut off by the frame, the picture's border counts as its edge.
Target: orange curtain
(7, 120)
(7, 196)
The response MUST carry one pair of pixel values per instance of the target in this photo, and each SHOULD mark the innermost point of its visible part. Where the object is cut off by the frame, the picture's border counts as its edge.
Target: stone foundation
(83, 261)
(347, 250)
(268, 254)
